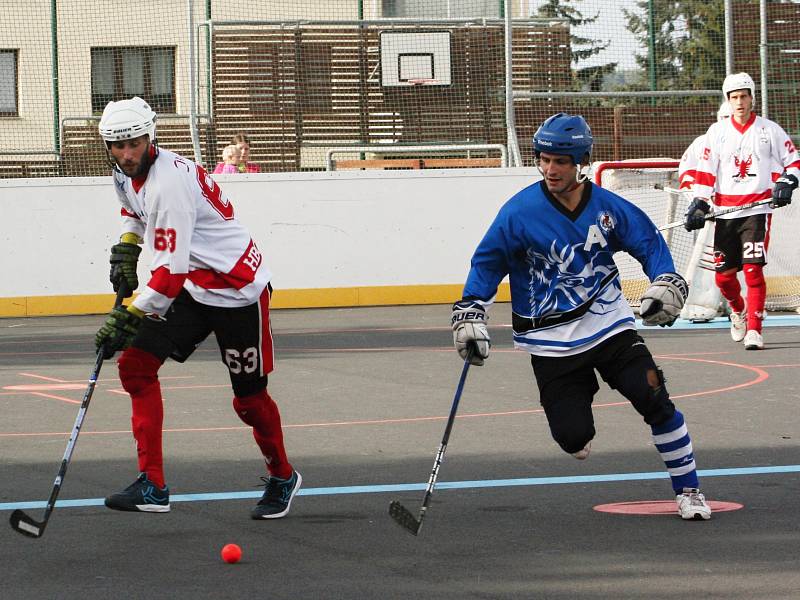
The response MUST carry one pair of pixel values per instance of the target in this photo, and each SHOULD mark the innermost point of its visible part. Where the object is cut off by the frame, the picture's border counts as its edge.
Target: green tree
(584, 78)
(689, 42)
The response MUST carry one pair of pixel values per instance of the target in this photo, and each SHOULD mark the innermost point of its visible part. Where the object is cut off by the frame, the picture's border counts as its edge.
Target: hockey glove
(117, 332)
(469, 329)
(663, 300)
(123, 266)
(782, 192)
(696, 214)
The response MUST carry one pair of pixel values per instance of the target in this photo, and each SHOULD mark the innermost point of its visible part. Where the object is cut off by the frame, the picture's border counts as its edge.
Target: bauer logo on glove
(663, 300)
(469, 331)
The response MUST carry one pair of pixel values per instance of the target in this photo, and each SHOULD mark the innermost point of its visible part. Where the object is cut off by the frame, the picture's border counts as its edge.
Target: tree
(590, 78)
(689, 43)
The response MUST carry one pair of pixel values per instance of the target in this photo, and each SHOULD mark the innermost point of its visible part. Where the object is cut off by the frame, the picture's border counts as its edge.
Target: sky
(610, 25)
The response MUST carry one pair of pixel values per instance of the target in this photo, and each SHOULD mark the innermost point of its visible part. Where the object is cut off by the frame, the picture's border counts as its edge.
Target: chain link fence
(457, 83)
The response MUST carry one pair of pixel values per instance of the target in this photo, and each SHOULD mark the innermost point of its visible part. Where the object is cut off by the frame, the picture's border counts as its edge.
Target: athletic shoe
(277, 497)
(142, 495)
(692, 505)
(738, 325)
(582, 454)
(753, 340)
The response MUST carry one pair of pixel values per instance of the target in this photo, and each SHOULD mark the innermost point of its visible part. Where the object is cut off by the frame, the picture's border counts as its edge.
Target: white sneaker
(738, 325)
(692, 505)
(753, 340)
(582, 454)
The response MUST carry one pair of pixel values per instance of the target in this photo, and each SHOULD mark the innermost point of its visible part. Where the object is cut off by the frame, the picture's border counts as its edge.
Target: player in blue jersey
(555, 240)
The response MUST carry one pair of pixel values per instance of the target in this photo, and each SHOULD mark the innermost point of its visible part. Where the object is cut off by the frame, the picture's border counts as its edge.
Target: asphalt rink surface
(364, 395)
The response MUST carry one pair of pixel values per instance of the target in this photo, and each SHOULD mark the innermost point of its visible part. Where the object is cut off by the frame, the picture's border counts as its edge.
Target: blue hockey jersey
(566, 294)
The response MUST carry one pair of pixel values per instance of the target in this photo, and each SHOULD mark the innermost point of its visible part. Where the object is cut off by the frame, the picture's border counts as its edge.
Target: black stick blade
(403, 517)
(25, 525)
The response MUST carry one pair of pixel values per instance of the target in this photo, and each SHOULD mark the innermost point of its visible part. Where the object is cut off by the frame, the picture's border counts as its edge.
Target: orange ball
(231, 553)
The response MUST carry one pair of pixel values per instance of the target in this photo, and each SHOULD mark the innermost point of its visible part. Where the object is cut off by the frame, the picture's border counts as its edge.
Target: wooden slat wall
(84, 154)
(321, 86)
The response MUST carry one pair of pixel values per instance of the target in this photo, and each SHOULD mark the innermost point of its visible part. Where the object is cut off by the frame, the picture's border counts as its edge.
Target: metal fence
(382, 77)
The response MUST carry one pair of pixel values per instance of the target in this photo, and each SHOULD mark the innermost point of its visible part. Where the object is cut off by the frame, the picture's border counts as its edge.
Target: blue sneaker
(277, 497)
(142, 495)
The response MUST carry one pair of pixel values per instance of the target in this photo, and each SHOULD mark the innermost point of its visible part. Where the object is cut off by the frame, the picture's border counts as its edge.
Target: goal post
(652, 185)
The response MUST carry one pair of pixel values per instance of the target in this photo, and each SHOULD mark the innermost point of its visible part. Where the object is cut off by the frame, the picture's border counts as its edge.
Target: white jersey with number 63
(197, 243)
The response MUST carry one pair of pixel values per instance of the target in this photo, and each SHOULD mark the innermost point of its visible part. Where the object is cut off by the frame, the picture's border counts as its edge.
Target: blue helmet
(564, 134)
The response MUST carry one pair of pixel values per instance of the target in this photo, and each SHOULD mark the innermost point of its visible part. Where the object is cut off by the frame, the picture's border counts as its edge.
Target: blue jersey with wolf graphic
(566, 294)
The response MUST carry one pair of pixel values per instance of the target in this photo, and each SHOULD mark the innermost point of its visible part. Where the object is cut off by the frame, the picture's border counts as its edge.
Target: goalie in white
(705, 301)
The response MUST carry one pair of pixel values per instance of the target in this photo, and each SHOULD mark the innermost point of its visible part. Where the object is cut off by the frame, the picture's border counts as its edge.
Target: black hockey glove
(696, 214)
(469, 328)
(663, 300)
(117, 332)
(123, 266)
(782, 192)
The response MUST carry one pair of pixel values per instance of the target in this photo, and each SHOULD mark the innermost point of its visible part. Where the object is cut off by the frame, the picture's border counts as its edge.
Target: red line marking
(41, 387)
(42, 377)
(61, 398)
(761, 376)
(660, 507)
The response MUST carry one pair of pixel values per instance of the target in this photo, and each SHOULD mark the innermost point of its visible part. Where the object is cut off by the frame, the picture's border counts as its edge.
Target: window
(8, 83)
(122, 72)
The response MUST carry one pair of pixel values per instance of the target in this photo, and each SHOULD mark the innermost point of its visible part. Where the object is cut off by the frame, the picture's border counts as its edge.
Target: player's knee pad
(253, 409)
(754, 276)
(642, 383)
(726, 280)
(138, 370)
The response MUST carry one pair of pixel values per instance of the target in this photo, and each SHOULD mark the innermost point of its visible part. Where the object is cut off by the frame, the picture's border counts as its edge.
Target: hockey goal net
(652, 185)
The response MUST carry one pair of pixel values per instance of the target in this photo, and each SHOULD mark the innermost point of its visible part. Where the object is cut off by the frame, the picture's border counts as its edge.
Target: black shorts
(244, 337)
(555, 374)
(741, 241)
(567, 386)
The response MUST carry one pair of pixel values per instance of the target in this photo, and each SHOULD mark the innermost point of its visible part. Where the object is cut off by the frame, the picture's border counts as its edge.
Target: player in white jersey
(556, 240)
(746, 159)
(207, 275)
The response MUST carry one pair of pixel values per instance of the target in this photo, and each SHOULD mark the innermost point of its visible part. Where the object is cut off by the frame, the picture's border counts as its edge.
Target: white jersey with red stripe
(740, 163)
(687, 168)
(196, 241)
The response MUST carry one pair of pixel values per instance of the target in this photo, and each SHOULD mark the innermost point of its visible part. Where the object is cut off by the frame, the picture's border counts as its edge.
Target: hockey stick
(21, 521)
(400, 513)
(712, 216)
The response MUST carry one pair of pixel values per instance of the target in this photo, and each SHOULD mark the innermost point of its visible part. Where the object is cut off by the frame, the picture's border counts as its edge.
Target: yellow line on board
(89, 304)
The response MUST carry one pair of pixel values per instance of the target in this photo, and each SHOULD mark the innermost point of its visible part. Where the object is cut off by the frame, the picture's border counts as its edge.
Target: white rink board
(316, 230)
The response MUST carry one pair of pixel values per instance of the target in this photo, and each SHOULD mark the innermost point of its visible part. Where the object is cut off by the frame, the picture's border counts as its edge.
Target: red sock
(138, 371)
(262, 414)
(756, 295)
(731, 290)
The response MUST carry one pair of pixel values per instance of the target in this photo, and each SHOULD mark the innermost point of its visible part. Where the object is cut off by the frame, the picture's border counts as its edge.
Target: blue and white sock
(675, 446)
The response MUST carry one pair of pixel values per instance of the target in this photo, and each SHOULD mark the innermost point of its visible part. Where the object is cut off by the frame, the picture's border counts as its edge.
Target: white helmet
(738, 81)
(127, 119)
(724, 111)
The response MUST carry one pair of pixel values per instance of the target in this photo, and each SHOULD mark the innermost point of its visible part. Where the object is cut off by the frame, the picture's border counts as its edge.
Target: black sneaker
(277, 496)
(142, 495)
